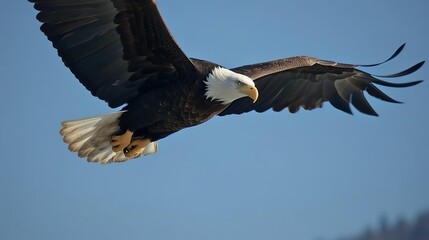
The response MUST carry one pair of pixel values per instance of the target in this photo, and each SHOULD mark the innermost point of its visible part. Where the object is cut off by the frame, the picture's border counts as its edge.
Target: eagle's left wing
(308, 82)
(118, 49)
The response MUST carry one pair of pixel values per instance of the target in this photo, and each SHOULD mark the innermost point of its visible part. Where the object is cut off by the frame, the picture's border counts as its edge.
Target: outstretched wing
(116, 48)
(308, 82)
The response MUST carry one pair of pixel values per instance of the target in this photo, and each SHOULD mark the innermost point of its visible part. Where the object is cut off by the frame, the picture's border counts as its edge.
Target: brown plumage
(123, 53)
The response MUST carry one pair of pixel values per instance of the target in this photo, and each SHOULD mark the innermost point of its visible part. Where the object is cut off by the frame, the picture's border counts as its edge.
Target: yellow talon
(136, 147)
(120, 142)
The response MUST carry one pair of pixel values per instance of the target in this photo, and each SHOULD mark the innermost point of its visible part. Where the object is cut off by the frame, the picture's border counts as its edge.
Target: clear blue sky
(314, 174)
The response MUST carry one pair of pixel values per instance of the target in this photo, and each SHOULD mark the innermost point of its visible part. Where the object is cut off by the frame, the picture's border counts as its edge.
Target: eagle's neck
(221, 85)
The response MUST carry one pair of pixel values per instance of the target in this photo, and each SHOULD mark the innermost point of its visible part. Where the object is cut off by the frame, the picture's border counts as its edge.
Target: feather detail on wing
(116, 48)
(308, 82)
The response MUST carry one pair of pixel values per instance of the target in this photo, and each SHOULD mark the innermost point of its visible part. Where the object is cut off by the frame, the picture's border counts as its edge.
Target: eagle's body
(170, 108)
(123, 53)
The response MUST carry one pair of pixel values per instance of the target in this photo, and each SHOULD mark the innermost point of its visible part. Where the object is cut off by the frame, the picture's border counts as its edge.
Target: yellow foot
(120, 142)
(136, 147)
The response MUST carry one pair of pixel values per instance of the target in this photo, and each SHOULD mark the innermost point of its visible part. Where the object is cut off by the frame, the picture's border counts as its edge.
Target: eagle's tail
(90, 138)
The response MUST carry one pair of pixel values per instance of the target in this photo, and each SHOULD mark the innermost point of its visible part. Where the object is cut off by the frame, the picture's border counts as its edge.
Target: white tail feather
(90, 138)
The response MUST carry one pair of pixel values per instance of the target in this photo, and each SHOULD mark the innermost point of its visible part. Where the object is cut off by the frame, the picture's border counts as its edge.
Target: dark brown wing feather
(116, 48)
(308, 82)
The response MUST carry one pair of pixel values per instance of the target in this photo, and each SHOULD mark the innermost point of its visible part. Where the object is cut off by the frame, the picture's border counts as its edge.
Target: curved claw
(136, 147)
(120, 142)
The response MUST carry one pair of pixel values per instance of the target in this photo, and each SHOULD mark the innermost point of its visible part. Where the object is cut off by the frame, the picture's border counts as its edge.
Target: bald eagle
(123, 53)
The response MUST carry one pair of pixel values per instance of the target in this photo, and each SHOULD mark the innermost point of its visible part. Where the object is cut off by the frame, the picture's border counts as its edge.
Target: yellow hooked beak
(249, 91)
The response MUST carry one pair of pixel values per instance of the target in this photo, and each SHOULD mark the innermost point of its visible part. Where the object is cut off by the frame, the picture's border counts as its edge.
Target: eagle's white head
(227, 86)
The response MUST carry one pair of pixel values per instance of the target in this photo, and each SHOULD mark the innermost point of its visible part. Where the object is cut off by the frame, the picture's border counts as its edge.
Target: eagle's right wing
(308, 82)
